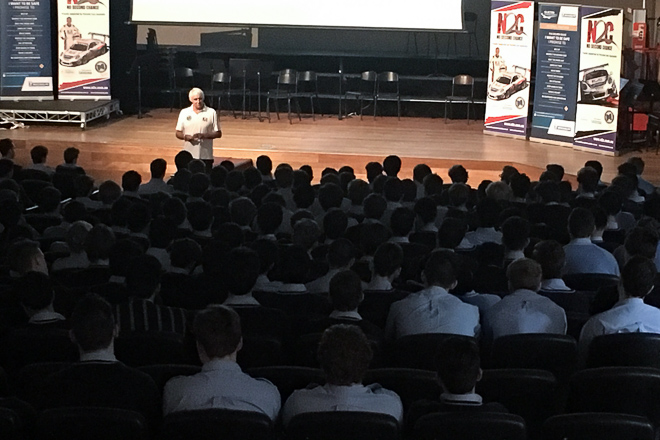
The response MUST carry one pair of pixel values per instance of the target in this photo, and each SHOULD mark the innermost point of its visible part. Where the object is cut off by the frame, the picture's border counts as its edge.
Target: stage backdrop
(598, 85)
(557, 58)
(84, 49)
(25, 59)
(511, 39)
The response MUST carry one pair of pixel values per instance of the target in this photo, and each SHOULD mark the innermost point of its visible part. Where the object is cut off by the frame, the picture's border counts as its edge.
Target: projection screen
(356, 14)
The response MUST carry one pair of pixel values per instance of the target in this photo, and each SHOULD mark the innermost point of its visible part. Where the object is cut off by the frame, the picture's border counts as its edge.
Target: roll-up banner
(598, 83)
(557, 59)
(84, 49)
(25, 58)
(510, 63)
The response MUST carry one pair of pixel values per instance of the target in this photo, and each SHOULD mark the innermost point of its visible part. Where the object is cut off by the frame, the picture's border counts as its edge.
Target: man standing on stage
(69, 33)
(496, 64)
(197, 126)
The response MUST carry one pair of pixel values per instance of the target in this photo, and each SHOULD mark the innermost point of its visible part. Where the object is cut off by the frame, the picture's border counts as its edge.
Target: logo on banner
(101, 67)
(548, 14)
(600, 34)
(520, 102)
(609, 116)
(83, 4)
(510, 26)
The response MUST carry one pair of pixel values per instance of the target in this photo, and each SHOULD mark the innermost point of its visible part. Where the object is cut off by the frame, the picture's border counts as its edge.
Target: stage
(111, 147)
(78, 112)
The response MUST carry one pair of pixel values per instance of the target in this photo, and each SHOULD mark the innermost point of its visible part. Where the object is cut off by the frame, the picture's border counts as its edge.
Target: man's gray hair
(195, 91)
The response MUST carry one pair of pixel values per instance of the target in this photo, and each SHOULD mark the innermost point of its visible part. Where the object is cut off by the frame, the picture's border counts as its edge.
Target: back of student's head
(36, 290)
(330, 196)
(588, 178)
(373, 169)
(6, 145)
(92, 323)
(508, 172)
(38, 154)
(393, 189)
(109, 192)
(344, 354)
(373, 235)
(555, 169)
(581, 223)
(199, 183)
(345, 291)
(197, 166)
(638, 163)
(234, 181)
(638, 276)
(143, 276)
(515, 233)
(284, 176)
(596, 165)
(451, 232)
(392, 165)
(306, 233)
(426, 209)
(131, 180)
(440, 269)
(268, 253)
(49, 199)
(340, 253)
(25, 256)
(388, 258)
(138, 217)
(551, 256)
(158, 167)
(71, 155)
(520, 185)
(548, 191)
(433, 185)
(264, 165)
(488, 212)
(200, 215)
(420, 172)
(458, 174)
(402, 221)
(304, 196)
(252, 177)
(374, 206)
(217, 330)
(185, 253)
(642, 241)
(335, 222)
(524, 273)
(241, 269)
(243, 211)
(182, 159)
(76, 236)
(100, 240)
(294, 264)
(459, 194)
(611, 201)
(458, 365)
(269, 217)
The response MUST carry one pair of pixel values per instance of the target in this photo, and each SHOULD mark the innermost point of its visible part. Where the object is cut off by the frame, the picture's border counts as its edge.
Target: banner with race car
(26, 67)
(83, 49)
(510, 63)
(557, 59)
(598, 82)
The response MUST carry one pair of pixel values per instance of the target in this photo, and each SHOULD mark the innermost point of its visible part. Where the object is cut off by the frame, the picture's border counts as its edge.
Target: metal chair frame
(460, 82)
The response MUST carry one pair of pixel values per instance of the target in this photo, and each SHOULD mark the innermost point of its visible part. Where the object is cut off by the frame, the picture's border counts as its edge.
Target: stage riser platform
(60, 111)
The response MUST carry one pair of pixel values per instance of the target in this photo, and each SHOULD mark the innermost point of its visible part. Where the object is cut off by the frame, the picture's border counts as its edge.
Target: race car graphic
(597, 84)
(83, 51)
(507, 83)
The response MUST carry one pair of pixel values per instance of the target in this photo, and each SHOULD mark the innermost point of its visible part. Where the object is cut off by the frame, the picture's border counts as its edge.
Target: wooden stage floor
(109, 148)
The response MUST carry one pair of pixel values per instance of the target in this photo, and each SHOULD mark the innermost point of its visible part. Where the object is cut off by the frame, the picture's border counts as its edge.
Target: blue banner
(557, 70)
(25, 59)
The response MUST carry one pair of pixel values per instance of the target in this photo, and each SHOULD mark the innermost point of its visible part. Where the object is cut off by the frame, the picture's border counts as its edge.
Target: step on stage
(70, 112)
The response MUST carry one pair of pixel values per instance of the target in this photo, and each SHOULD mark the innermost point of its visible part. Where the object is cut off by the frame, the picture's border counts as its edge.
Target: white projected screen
(411, 14)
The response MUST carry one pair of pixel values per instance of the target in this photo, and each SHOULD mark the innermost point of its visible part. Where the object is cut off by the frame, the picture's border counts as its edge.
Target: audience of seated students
(221, 383)
(630, 314)
(344, 354)
(198, 233)
(36, 297)
(98, 379)
(523, 310)
(434, 309)
(583, 256)
(458, 371)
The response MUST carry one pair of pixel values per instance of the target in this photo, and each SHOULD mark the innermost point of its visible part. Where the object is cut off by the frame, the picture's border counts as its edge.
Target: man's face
(68, 21)
(197, 102)
(497, 51)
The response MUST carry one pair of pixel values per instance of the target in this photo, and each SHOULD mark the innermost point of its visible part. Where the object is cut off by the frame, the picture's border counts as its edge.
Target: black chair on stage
(387, 89)
(362, 89)
(308, 87)
(470, 426)
(212, 424)
(342, 425)
(462, 92)
(625, 349)
(598, 426)
(182, 79)
(287, 84)
(221, 88)
(252, 78)
(86, 423)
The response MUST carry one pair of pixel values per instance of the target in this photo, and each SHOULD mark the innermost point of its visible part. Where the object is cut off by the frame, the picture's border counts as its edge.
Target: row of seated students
(270, 247)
